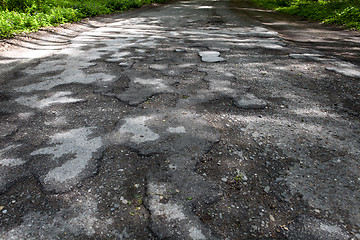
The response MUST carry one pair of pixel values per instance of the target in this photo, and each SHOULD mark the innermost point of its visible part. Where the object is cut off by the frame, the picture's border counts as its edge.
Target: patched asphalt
(190, 120)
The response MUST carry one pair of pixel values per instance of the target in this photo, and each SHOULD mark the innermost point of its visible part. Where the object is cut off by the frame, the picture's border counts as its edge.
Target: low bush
(341, 12)
(18, 16)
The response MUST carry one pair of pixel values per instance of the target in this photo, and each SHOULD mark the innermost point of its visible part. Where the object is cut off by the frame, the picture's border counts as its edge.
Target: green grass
(18, 16)
(340, 12)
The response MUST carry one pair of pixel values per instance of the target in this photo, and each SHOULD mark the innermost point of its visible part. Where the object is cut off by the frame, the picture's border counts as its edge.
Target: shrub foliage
(18, 16)
(341, 12)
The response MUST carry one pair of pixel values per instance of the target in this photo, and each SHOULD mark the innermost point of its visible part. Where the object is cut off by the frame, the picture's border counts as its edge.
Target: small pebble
(123, 200)
(244, 177)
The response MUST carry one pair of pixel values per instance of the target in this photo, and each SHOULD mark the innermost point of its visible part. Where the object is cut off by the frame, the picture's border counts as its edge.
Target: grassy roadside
(18, 16)
(340, 12)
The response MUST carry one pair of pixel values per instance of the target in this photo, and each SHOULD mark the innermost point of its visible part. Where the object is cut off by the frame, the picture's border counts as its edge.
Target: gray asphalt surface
(190, 120)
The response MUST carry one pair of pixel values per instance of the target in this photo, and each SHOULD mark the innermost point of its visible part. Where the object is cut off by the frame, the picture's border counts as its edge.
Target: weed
(238, 178)
(18, 16)
(346, 13)
(139, 200)
(239, 175)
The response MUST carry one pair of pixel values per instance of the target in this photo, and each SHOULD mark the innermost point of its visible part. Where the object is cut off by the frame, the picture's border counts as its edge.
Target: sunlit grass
(341, 12)
(18, 16)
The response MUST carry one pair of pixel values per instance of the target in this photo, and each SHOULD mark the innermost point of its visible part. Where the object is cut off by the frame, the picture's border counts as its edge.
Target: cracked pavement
(190, 120)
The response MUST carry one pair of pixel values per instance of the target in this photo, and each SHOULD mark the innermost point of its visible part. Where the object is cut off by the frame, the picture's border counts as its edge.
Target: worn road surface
(191, 120)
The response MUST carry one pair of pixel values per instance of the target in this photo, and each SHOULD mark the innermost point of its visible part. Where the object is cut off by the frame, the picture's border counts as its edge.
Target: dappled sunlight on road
(184, 115)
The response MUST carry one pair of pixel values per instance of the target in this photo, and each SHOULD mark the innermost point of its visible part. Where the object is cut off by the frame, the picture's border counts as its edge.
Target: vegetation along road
(190, 120)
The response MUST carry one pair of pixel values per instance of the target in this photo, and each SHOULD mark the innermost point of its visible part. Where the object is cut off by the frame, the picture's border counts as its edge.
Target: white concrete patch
(9, 162)
(140, 89)
(147, 44)
(270, 45)
(26, 115)
(204, 7)
(57, 98)
(211, 56)
(70, 69)
(330, 228)
(314, 111)
(220, 48)
(75, 143)
(250, 101)
(221, 86)
(246, 33)
(264, 32)
(72, 72)
(341, 67)
(138, 130)
(316, 57)
(180, 129)
(124, 64)
(158, 84)
(140, 50)
(175, 34)
(7, 129)
(345, 68)
(118, 57)
(170, 211)
(196, 234)
(50, 66)
(156, 188)
(254, 43)
(58, 121)
(159, 67)
(82, 220)
(155, 37)
(76, 62)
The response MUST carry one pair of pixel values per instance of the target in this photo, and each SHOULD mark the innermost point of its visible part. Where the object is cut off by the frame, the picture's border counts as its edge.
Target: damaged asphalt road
(191, 120)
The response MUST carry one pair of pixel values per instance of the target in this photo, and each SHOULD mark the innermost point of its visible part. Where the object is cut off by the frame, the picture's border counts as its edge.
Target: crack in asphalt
(171, 123)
